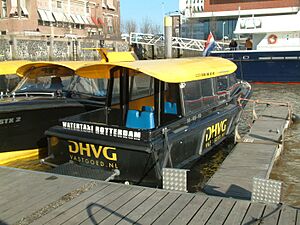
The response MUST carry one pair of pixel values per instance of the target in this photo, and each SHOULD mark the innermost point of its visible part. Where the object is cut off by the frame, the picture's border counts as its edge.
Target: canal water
(286, 168)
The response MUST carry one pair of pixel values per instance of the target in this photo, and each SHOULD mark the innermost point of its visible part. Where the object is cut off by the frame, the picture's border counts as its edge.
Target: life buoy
(272, 39)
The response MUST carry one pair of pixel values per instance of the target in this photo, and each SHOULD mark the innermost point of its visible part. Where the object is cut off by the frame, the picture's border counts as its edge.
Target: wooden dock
(253, 156)
(36, 198)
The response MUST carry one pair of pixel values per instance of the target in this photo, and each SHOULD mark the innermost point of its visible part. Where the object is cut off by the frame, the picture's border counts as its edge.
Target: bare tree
(130, 26)
(146, 26)
(156, 29)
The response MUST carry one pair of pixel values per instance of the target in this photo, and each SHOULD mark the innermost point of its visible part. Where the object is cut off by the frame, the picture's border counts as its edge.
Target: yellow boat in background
(8, 74)
(48, 91)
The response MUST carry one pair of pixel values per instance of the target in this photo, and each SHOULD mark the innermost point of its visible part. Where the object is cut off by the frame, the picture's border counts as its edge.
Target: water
(286, 168)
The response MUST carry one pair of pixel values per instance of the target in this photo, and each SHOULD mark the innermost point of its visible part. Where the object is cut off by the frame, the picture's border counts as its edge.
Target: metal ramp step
(72, 169)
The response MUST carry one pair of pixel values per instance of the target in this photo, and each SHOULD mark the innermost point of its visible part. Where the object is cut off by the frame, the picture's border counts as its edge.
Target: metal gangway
(177, 42)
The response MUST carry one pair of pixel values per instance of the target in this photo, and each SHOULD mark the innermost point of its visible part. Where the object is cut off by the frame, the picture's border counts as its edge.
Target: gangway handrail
(177, 42)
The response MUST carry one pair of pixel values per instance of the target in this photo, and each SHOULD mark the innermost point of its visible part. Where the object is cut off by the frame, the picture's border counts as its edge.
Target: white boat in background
(275, 56)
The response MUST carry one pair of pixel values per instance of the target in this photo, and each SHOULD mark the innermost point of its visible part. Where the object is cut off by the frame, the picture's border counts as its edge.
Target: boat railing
(177, 42)
(27, 94)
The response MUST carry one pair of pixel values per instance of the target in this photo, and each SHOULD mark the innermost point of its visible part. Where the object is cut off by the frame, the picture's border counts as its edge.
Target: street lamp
(223, 31)
(176, 26)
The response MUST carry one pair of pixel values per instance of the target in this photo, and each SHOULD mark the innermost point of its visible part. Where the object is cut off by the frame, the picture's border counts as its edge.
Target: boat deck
(29, 197)
(253, 156)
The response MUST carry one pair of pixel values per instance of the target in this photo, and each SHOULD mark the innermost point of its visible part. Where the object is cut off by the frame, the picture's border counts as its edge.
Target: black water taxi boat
(47, 92)
(158, 114)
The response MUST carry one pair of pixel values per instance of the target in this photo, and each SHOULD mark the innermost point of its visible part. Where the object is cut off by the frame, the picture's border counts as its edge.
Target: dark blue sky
(153, 9)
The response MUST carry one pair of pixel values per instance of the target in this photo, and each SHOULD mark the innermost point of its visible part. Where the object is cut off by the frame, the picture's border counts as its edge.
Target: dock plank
(33, 194)
(174, 209)
(24, 211)
(100, 186)
(202, 216)
(221, 213)
(190, 210)
(280, 112)
(271, 214)
(142, 209)
(78, 213)
(112, 203)
(42, 198)
(237, 213)
(127, 208)
(104, 211)
(288, 215)
(254, 212)
(158, 209)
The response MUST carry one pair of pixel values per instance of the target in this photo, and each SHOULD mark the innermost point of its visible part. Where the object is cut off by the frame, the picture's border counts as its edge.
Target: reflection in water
(30, 163)
(286, 169)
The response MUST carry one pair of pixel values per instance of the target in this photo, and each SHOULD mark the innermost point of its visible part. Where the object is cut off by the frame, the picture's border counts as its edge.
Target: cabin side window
(225, 86)
(222, 83)
(199, 95)
(209, 98)
(96, 87)
(141, 86)
(192, 96)
(232, 79)
(171, 109)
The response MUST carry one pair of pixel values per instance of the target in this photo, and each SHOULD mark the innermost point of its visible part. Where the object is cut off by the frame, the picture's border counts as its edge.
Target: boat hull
(23, 123)
(141, 161)
(265, 66)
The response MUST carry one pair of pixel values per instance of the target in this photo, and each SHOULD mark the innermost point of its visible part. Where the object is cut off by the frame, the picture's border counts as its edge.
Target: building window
(87, 8)
(110, 28)
(59, 4)
(4, 8)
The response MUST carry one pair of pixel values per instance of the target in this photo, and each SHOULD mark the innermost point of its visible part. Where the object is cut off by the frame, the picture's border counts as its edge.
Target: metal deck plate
(266, 190)
(72, 169)
(175, 179)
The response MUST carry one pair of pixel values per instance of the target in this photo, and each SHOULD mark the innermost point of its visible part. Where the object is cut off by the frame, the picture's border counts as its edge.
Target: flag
(209, 45)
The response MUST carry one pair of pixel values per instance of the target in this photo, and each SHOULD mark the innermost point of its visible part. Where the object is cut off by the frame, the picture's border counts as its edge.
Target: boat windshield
(74, 84)
(8, 82)
(44, 84)
(87, 86)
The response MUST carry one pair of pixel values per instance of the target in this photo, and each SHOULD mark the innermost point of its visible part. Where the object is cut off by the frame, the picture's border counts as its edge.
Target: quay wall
(57, 49)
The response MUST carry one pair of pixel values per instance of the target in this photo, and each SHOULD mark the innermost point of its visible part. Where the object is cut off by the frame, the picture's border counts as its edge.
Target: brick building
(61, 18)
(220, 16)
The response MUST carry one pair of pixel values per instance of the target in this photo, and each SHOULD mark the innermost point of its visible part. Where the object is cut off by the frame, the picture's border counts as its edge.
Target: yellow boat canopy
(10, 67)
(45, 68)
(107, 56)
(167, 70)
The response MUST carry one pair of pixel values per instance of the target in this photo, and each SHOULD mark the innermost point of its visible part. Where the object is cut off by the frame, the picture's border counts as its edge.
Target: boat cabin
(158, 113)
(48, 91)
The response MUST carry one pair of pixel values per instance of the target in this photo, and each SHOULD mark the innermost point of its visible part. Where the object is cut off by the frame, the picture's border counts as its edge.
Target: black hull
(22, 124)
(260, 66)
(141, 162)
